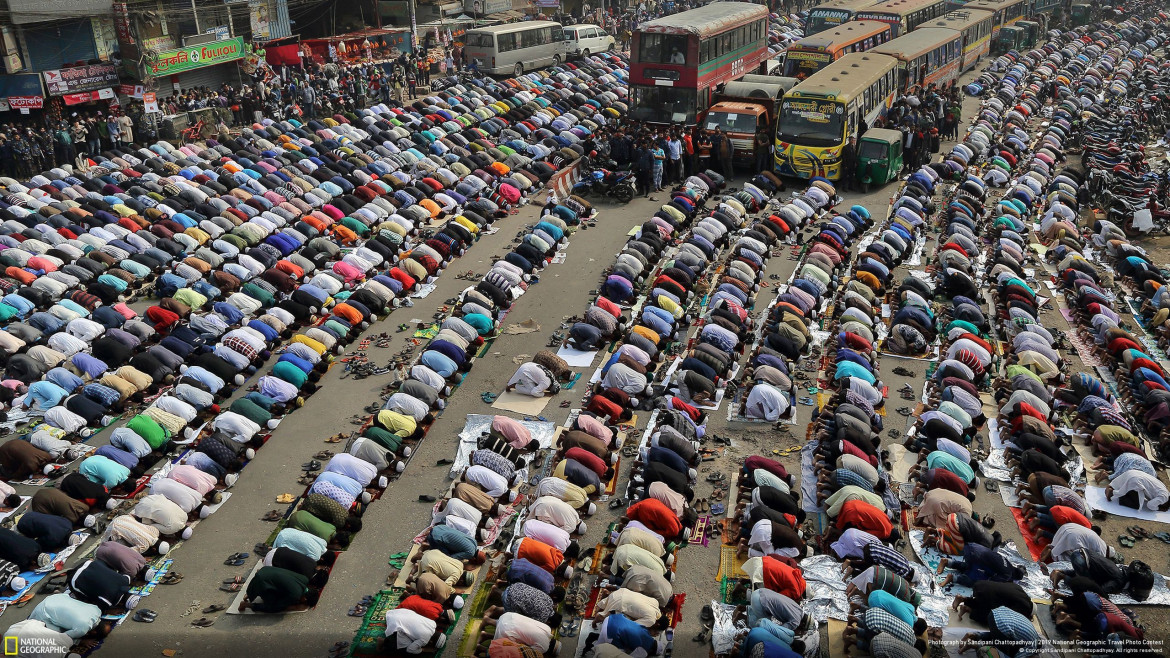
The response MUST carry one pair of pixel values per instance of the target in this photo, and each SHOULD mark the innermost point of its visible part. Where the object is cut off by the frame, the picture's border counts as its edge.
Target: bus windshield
(663, 104)
(800, 65)
(811, 122)
(822, 19)
(730, 122)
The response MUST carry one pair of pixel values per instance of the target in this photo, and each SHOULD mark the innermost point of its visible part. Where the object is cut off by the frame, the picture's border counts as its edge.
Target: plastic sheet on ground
(423, 291)
(543, 432)
(825, 589)
(723, 629)
(576, 358)
(1035, 582)
(1095, 497)
(996, 466)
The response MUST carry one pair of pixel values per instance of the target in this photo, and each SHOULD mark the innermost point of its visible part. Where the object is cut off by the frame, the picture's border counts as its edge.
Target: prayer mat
(700, 535)
(730, 564)
(1029, 538)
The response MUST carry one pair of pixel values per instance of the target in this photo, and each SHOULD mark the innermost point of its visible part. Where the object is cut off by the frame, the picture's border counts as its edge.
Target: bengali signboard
(33, 102)
(170, 62)
(80, 78)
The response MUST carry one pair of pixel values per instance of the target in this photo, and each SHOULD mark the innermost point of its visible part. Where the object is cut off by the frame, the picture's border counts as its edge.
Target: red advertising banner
(34, 102)
(83, 97)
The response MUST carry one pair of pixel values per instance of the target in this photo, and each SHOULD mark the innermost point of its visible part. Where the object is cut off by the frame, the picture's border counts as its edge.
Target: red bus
(676, 61)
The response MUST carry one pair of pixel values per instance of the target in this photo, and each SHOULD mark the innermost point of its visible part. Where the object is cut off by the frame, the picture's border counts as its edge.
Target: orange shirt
(542, 555)
(429, 609)
(863, 516)
(1062, 515)
(783, 578)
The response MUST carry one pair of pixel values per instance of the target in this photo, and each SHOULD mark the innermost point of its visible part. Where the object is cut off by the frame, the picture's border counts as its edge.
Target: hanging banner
(150, 103)
(77, 99)
(80, 78)
(170, 62)
(258, 12)
(133, 91)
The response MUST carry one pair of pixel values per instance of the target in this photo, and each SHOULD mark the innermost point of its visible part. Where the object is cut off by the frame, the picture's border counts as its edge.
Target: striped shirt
(1058, 495)
(884, 556)
(888, 581)
(1007, 624)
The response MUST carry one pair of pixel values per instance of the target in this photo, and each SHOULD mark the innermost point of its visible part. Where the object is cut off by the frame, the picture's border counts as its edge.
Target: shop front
(204, 65)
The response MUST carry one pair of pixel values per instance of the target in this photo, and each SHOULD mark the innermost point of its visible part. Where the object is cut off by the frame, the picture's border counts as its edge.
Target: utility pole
(231, 24)
(198, 30)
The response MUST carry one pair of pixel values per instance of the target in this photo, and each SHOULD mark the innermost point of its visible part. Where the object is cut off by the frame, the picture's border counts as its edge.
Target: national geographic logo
(33, 646)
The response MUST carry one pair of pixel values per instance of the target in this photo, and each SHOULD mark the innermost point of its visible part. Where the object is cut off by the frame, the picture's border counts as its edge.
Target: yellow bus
(975, 26)
(819, 115)
(927, 56)
(903, 15)
(812, 53)
(1006, 12)
(831, 14)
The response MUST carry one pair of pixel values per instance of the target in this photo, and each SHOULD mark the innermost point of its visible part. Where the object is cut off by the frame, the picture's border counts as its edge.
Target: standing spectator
(308, 100)
(657, 166)
(63, 147)
(125, 129)
(689, 153)
(674, 149)
(849, 164)
(703, 152)
(411, 79)
(721, 148)
(112, 130)
(642, 164)
(80, 134)
(103, 132)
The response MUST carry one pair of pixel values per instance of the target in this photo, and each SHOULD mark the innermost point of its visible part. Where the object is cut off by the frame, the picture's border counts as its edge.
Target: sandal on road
(172, 578)
(145, 616)
(214, 608)
(232, 588)
(203, 622)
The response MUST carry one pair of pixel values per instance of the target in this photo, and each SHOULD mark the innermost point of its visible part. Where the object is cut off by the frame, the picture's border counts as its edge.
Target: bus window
(705, 52)
(529, 38)
(480, 40)
(558, 33)
(662, 48)
(507, 42)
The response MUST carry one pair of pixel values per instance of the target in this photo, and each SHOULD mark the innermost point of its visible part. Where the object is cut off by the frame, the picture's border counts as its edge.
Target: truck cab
(746, 111)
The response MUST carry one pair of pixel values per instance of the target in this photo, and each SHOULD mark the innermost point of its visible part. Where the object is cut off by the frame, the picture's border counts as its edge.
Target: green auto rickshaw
(1083, 14)
(879, 157)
